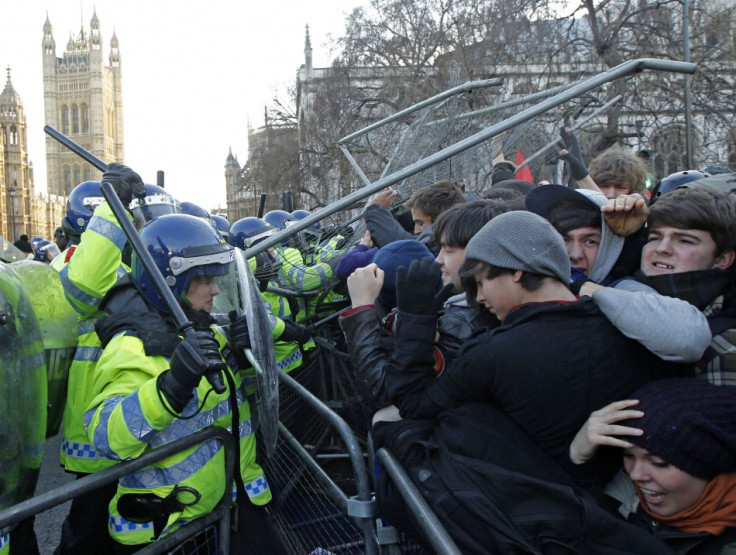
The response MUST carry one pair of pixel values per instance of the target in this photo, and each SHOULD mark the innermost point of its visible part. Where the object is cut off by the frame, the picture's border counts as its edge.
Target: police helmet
(157, 202)
(297, 215)
(82, 201)
(222, 224)
(35, 241)
(182, 247)
(675, 180)
(246, 232)
(277, 218)
(44, 250)
(195, 210)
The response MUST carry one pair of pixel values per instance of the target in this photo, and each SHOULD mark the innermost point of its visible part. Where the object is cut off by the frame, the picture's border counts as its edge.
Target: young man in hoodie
(600, 256)
(689, 255)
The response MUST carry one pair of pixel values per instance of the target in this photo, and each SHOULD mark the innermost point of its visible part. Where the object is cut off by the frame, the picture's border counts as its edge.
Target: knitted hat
(390, 257)
(689, 423)
(521, 240)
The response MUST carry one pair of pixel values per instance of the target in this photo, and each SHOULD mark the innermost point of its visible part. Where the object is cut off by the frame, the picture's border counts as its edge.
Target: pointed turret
(9, 96)
(95, 39)
(48, 44)
(114, 50)
(308, 54)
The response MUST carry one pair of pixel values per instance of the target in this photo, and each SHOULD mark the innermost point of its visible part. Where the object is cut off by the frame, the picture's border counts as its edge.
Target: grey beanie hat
(521, 240)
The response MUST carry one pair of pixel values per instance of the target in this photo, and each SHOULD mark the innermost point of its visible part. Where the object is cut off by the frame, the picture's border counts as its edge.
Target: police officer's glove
(197, 355)
(574, 157)
(126, 183)
(294, 331)
(239, 338)
(418, 290)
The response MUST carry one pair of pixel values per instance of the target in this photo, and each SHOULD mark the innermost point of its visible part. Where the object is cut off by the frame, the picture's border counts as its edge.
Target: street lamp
(12, 191)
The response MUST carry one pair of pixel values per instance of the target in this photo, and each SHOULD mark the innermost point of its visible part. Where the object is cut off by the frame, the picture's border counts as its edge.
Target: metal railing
(425, 518)
(623, 70)
(88, 484)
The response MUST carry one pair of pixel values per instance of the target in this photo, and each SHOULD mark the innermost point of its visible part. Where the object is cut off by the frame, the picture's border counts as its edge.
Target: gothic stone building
(83, 99)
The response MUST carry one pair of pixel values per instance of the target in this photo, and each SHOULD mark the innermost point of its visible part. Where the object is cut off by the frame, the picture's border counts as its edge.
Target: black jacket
(495, 492)
(386, 229)
(548, 366)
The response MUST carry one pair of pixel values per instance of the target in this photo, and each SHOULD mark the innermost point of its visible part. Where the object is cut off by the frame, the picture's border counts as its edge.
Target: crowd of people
(553, 365)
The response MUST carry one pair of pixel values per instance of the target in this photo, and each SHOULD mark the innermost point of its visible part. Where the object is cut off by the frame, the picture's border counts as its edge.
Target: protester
(517, 267)
(425, 204)
(678, 441)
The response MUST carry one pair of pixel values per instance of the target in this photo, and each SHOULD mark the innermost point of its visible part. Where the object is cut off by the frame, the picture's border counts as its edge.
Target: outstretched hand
(416, 288)
(626, 214)
(384, 198)
(601, 429)
(570, 151)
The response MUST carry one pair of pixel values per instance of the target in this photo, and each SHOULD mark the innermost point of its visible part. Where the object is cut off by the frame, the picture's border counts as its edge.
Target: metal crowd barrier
(311, 510)
(88, 484)
(425, 518)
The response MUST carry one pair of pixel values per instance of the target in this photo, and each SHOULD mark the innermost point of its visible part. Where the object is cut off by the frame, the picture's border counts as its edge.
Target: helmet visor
(152, 206)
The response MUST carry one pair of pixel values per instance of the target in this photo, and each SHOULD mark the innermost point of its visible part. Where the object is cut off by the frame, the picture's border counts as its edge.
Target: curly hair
(619, 166)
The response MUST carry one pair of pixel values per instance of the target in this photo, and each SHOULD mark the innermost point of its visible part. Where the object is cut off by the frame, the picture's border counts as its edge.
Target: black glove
(126, 183)
(416, 289)
(239, 338)
(198, 354)
(573, 157)
(294, 331)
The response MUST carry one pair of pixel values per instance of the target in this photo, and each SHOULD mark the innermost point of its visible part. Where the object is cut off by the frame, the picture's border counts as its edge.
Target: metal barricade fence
(423, 515)
(325, 506)
(219, 517)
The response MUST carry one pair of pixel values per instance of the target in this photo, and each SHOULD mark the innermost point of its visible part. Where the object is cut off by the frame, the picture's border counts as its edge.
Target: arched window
(13, 135)
(77, 175)
(65, 119)
(67, 178)
(670, 152)
(75, 118)
(85, 118)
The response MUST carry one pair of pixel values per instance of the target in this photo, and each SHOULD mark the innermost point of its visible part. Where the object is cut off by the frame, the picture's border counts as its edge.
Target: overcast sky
(192, 77)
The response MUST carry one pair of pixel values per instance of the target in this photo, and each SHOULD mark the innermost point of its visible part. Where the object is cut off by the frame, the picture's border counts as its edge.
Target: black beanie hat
(689, 423)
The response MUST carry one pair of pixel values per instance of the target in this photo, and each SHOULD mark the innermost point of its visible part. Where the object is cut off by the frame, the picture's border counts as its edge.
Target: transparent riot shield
(24, 393)
(58, 324)
(242, 295)
(9, 252)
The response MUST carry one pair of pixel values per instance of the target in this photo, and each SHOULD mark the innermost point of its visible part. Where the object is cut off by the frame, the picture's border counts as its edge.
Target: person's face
(421, 220)
(61, 242)
(450, 259)
(666, 489)
(582, 247)
(670, 250)
(202, 292)
(613, 190)
(499, 295)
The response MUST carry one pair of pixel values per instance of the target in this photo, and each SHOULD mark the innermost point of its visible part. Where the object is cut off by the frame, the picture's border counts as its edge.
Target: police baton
(185, 326)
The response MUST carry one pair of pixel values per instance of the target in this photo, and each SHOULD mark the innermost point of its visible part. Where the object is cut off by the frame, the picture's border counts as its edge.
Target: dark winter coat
(548, 366)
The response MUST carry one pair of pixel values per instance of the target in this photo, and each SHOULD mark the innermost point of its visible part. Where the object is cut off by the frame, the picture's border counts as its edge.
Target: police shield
(9, 252)
(249, 302)
(58, 324)
(23, 382)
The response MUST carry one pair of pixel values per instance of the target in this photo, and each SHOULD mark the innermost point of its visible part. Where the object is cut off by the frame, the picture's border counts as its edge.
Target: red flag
(524, 174)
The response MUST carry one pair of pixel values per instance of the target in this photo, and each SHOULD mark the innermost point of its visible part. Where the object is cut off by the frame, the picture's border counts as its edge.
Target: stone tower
(16, 173)
(83, 100)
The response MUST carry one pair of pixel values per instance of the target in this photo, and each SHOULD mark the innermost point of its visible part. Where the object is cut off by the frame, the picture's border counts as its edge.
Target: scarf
(699, 287)
(714, 512)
